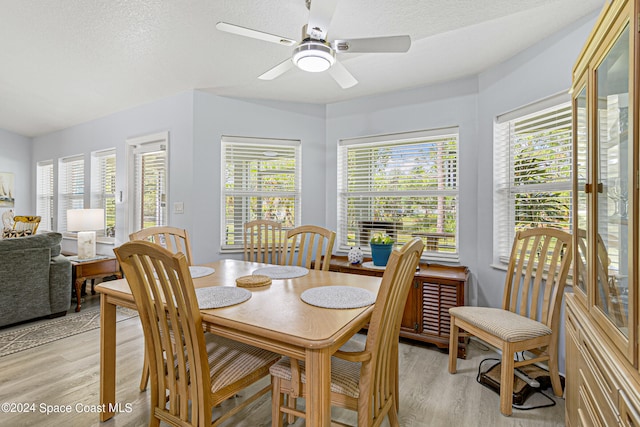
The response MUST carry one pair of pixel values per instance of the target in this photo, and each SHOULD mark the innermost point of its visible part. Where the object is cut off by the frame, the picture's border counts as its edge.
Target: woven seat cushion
(345, 375)
(507, 326)
(230, 361)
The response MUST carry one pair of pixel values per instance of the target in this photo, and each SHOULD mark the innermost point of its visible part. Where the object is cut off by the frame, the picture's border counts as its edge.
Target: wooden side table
(90, 270)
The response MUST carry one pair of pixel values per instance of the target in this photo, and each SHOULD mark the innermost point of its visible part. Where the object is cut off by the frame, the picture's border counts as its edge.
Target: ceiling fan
(314, 53)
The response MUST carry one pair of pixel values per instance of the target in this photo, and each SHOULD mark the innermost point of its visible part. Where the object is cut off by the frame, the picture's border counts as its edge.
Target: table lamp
(85, 222)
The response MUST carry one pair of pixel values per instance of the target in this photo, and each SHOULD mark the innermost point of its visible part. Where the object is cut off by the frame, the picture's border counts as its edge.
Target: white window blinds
(404, 185)
(44, 194)
(70, 187)
(103, 187)
(150, 174)
(532, 171)
(261, 180)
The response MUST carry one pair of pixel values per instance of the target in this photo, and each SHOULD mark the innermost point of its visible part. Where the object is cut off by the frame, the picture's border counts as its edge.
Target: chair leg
(277, 401)
(553, 372)
(144, 379)
(506, 380)
(393, 415)
(453, 346)
(292, 403)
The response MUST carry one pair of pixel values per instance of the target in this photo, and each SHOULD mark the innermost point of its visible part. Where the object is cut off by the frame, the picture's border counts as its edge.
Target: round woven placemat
(338, 297)
(253, 281)
(282, 271)
(221, 296)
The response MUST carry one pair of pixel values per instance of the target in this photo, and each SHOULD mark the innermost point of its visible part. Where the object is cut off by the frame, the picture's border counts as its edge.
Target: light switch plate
(178, 207)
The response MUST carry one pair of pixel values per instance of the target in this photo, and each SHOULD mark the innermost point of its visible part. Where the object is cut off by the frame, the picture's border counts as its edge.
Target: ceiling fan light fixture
(313, 56)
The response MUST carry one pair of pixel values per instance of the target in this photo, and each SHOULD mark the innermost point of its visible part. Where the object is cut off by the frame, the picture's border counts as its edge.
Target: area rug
(30, 335)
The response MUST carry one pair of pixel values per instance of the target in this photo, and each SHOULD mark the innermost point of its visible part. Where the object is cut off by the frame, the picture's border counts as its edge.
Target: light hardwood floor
(66, 372)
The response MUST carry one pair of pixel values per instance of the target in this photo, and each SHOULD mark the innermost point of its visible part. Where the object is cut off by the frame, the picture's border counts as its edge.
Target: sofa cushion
(44, 240)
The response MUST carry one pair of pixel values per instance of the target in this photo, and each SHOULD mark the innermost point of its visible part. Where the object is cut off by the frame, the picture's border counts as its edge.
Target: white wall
(15, 157)
(537, 73)
(216, 116)
(444, 105)
(173, 114)
(196, 121)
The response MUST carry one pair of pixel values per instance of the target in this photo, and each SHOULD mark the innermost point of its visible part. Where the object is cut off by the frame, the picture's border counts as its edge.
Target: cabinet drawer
(588, 411)
(598, 372)
(629, 410)
(596, 400)
(97, 268)
(571, 325)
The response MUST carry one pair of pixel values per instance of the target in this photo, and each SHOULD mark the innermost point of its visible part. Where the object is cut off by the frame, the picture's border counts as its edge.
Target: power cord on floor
(552, 402)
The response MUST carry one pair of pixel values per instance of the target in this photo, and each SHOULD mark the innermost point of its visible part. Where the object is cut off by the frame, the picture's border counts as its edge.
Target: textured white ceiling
(64, 62)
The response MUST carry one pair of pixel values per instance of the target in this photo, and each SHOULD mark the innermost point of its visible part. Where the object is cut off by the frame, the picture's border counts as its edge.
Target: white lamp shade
(85, 219)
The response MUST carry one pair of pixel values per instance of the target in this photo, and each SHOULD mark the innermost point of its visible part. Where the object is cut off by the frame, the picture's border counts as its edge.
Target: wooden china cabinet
(603, 370)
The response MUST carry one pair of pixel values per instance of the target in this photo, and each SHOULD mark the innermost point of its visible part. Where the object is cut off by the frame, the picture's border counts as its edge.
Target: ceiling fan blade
(320, 15)
(342, 76)
(254, 34)
(278, 70)
(373, 44)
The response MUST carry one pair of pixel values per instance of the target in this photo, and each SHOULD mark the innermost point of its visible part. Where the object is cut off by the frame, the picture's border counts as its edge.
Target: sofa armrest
(60, 283)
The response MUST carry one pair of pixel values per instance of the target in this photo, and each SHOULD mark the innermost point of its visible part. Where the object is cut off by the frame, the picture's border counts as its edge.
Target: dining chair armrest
(356, 356)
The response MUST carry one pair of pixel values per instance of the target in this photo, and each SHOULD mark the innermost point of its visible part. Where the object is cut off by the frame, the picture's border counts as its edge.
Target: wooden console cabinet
(436, 288)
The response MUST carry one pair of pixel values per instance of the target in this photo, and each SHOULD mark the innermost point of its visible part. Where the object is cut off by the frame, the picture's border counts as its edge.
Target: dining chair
(263, 241)
(364, 381)
(172, 238)
(529, 318)
(191, 372)
(306, 244)
(20, 225)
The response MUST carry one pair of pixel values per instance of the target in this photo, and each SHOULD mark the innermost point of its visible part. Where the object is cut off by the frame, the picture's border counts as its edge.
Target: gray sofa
(35, 280)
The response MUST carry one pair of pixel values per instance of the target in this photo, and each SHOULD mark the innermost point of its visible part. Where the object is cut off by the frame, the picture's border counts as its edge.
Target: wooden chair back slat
(171, 238)
(536, 273)
(307, 245)
(263, 241)
(378, 376)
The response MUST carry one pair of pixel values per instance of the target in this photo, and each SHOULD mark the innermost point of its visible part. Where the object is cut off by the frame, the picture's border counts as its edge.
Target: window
(532, 171)
(261, 180)
(44, 194)
(404, 185)
(103, 187)
(70, 187)
(148, 164)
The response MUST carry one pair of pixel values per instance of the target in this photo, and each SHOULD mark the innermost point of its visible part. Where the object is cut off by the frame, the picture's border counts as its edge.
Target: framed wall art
(7, 189)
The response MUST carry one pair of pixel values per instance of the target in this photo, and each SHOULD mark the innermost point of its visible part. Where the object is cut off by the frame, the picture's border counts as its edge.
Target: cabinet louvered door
(437, 299)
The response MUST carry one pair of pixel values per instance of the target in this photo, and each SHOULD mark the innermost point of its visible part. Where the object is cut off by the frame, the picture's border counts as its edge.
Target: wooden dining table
(274, 318)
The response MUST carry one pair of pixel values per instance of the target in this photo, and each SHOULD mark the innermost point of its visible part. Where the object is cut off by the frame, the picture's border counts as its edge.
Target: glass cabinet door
(612, 184)
(581, 170)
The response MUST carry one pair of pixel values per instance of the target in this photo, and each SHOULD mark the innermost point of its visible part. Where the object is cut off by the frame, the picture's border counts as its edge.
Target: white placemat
(369, 264)
(221, 296)
(282, 271)
(200, 271)
(338, 297)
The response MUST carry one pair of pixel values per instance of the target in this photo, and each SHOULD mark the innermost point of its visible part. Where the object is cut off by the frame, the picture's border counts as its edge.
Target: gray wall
(173, 114)
(216, 116)
(15, 157)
